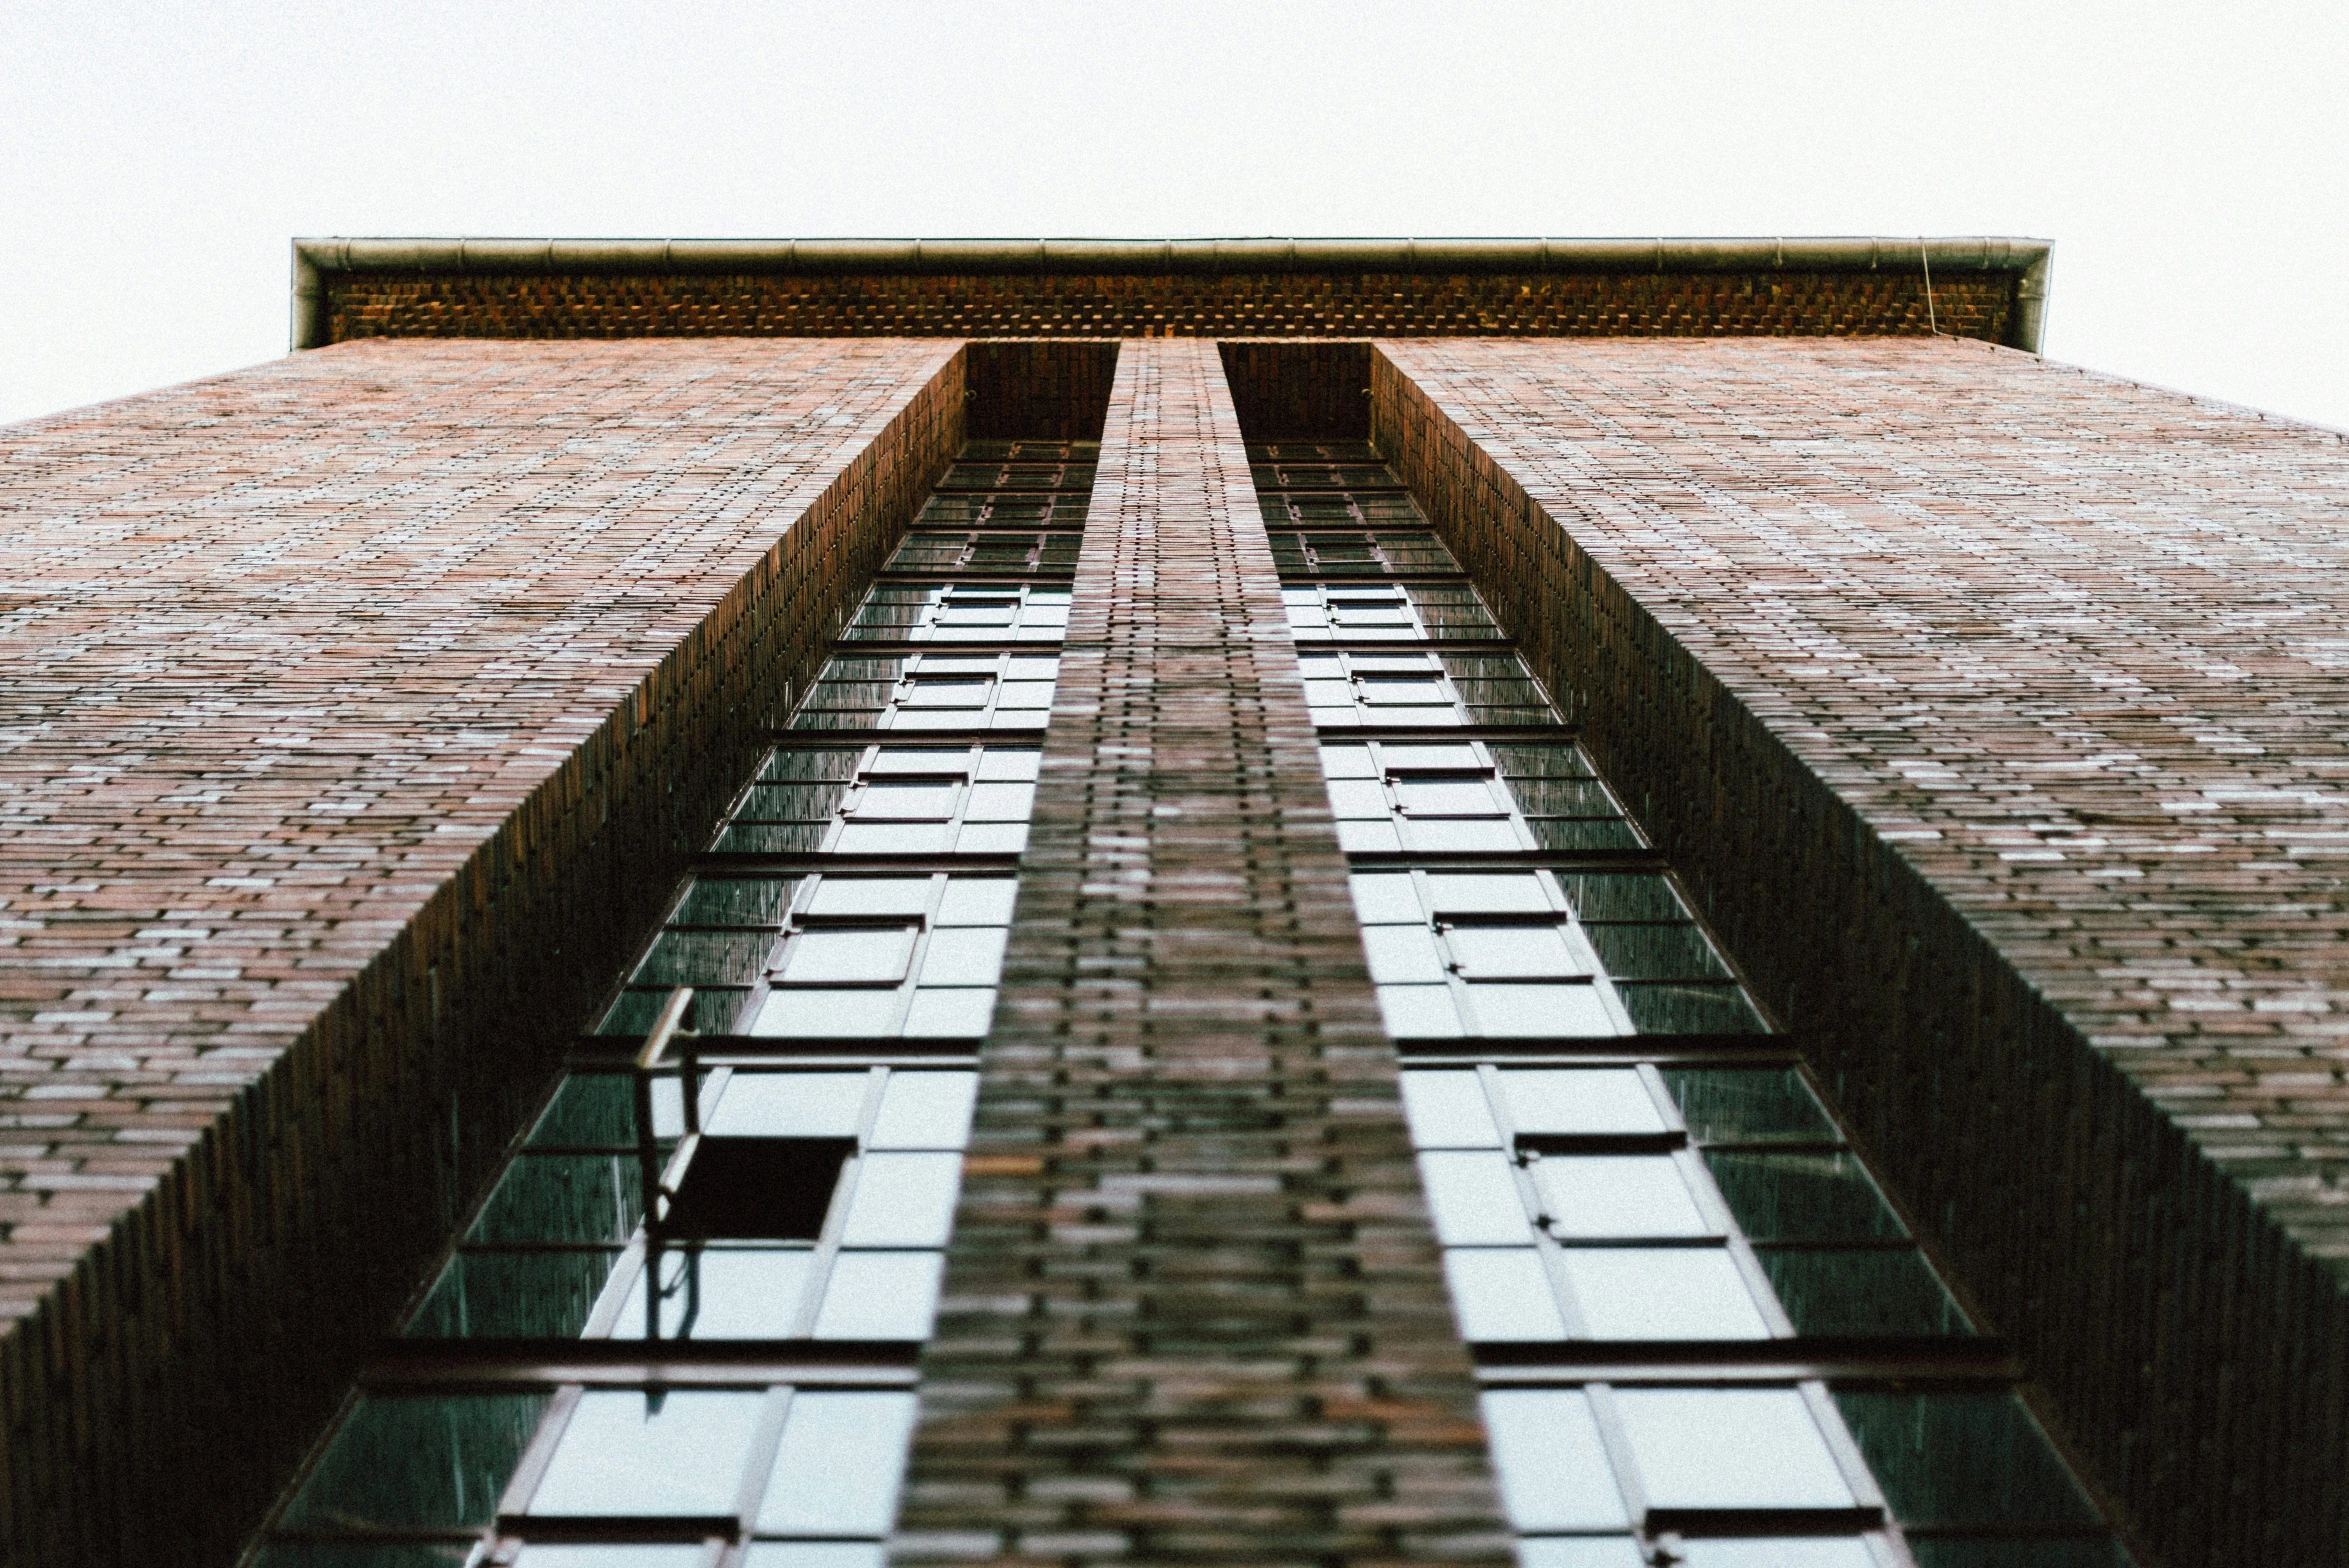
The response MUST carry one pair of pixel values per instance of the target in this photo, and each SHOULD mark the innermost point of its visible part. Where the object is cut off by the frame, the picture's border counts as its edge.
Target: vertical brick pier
(1194, 1311)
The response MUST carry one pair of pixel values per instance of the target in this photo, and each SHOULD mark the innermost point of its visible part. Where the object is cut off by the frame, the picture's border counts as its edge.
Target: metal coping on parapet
(317, 259)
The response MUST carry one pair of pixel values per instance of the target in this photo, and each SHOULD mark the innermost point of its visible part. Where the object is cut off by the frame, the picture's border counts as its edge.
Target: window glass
(704, 958)
(812, 1014)
(1474, 1199)
(1961, 1458)
(1584, 1100)
(631, 1453)
(815, 1554)
(790, 1105)
(1502, 1295)
(926, 1111)
(870, 896)
(1662, 1293)
(513, 1295)
(598, 1111)
(2016, 1552)
(1713, 1448)
(1766, 1105)
(1657, 953)
(364, 1554)
(1580, 1551)
(1552, 1467)
(903, 1200)
(977, 901)
(1621, 895)
(563, 1197)
(1487, 893)
(1525, 1012)
(1690, 1009)
(1418, 1012)
(880, 1295)
(735, 901)
(1511, 952)
(1808, 1551)
(1447, 1110)
(719, 1293)
(1606, 1196)
(899, 802)
(1402, 955)
(861, 954)
(838, 1469)
(1385, 898)
(964, 956)
(949, 1015)
(1802, 1197)
(423, 1461)
(1861, 1294)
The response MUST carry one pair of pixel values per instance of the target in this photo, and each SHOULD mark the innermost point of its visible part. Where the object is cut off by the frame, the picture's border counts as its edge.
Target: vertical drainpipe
(2031, 303)
(307, 329)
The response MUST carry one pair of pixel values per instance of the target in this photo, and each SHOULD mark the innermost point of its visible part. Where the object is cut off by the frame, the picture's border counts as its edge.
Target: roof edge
(315, 260)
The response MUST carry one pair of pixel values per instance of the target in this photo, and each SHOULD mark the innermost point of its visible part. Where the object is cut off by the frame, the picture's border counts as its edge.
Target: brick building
(785, 905)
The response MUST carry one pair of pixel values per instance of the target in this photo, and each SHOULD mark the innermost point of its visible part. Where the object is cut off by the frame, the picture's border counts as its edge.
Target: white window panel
(1473, 1197)
(1402, 955)
(926, 1110)
(1447, 1110)
(991, 838)
(1392, 691)
(969, 955)
(908, 802)
(969, 611)
(731, 1292)
(1513, 953)
(1508, 1010)
(1449, 798)
(1596, 1101)
(903, 1200)
(1025, 694)
(1502, 1295)
(809, 1014)
(790, 1105)
(839, 1466)
(1756, 1448)
(1385, 898)
(949, 1015)
(946, 691)
(643, 1554)
(977, 901)
(1358, 798)
(1799, 1551)
(881, 1295)
(1009, 764)
(1452, 835)
(870, 896)
(1553, 1465)
(888, 760)
(1004, 802)
(1618, 1196)
(894, 838)
(1419, 1012)
(624, 1454)
(1348, 762)
(862, 954)
(1369, 838)
(1662, 1293)
(1585, 1551)
(1487, 893)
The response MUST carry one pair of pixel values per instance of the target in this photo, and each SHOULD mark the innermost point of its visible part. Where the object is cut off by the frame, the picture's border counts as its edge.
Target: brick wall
(360, 709)
(588, 305)
(1997, 713)
(1193, 1308)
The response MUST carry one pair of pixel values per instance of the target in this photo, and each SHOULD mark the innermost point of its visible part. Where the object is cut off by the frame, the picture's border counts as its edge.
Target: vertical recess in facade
(681, 1325)
(1704, 1336)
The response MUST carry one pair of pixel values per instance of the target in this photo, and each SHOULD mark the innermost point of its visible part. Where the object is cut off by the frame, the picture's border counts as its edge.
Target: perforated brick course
(359, 709)
(1999, 714)
(1193, 1310)
(1867, 304)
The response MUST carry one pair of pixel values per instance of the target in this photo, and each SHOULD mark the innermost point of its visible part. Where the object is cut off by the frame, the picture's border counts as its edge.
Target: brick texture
(591, 305)
(1193, 1307)
(1998, 713)
(360, 709)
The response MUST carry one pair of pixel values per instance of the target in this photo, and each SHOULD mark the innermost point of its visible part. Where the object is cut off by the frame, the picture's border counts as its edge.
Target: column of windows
(1705, 1337)
(680, 1328)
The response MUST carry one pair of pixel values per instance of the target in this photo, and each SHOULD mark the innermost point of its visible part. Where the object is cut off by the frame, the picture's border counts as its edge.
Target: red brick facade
(1997, 711)
(334, 687)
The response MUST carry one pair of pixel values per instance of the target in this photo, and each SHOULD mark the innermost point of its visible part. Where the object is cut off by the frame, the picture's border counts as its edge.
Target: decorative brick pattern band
(1996, 712)
(1639, 304)
(1194, 1312)
(361, 708)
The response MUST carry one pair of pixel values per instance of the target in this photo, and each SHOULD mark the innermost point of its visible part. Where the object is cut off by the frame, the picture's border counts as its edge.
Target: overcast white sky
(2191, 162)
